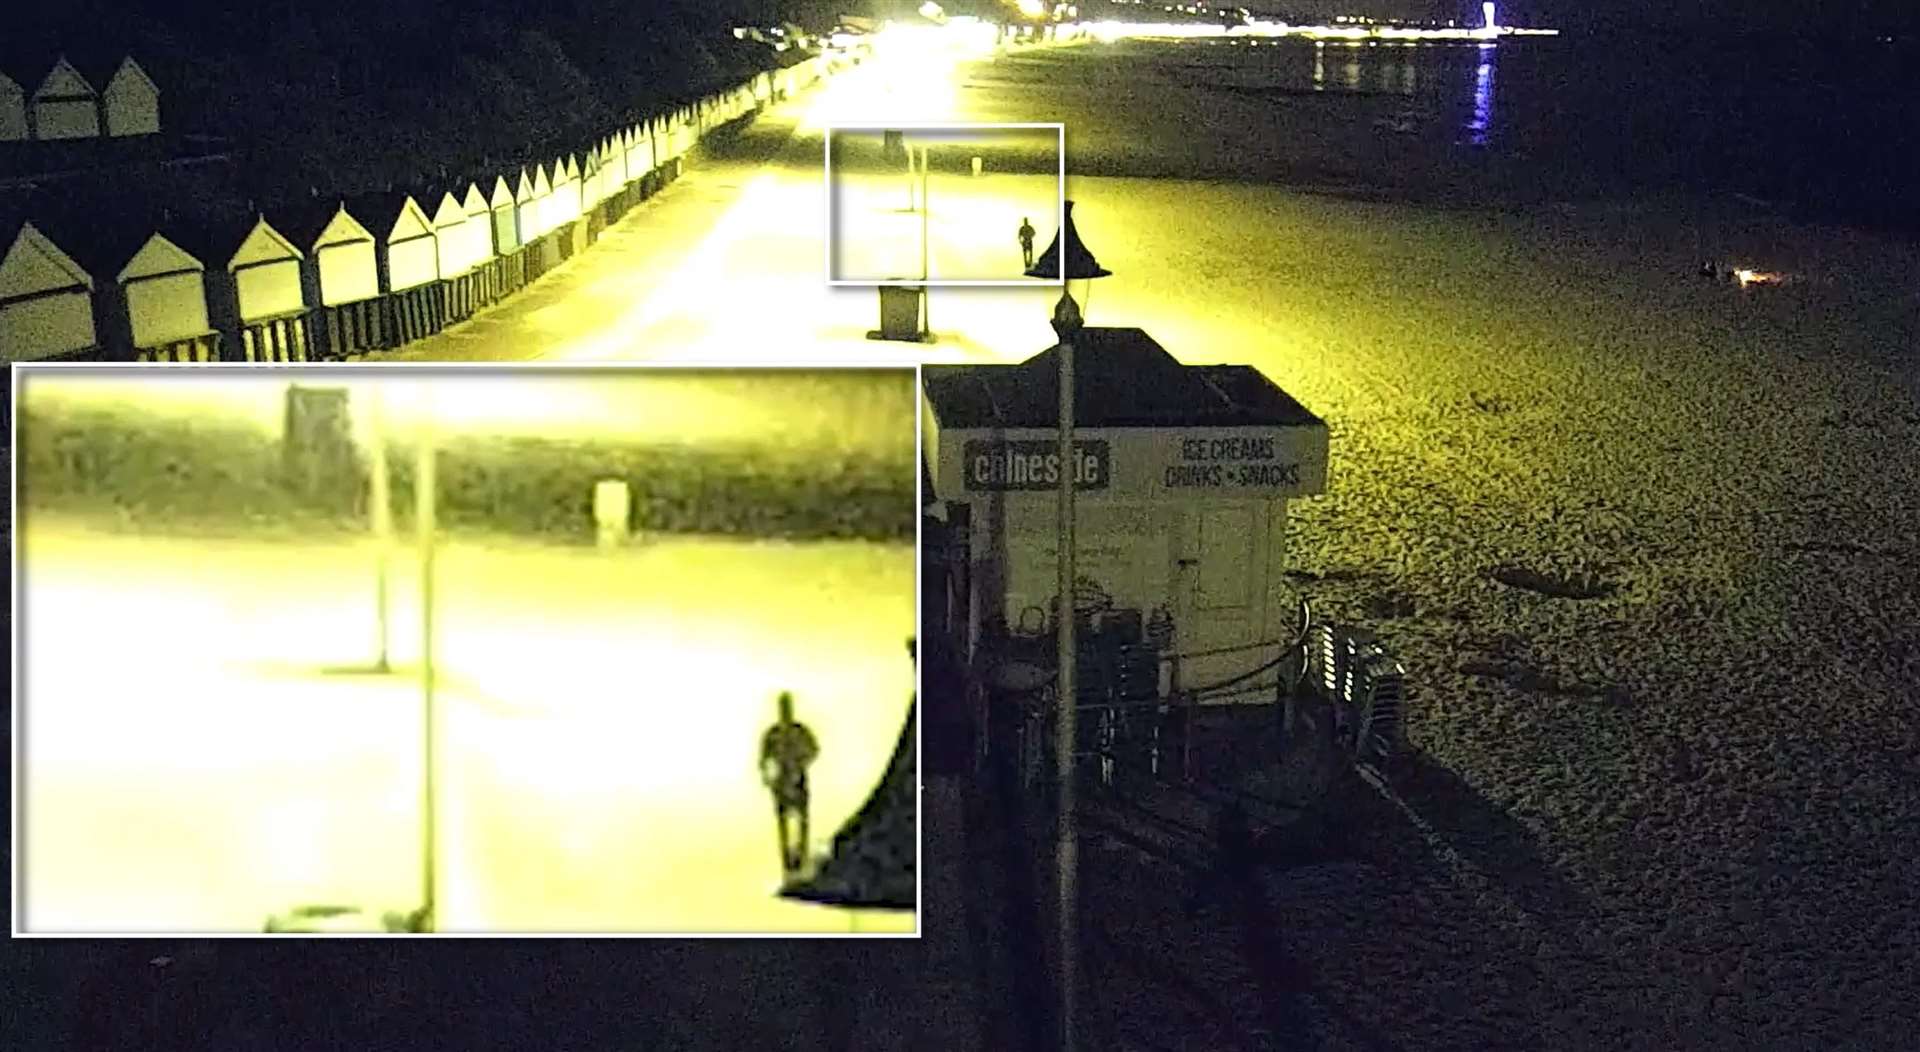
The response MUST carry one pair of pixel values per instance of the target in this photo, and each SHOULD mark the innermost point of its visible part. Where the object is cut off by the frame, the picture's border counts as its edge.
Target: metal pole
(380, 500)
(1068, 693)
(423, 489)
(926, 294)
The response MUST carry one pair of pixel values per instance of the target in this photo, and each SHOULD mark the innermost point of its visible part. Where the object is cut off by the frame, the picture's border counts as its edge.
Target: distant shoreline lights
(1353, 33)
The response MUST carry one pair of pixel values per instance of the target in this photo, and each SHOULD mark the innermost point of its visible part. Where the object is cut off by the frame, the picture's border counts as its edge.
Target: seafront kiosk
(1183, 476)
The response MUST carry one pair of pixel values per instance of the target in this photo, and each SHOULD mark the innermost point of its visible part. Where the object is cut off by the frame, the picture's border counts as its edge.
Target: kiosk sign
(1217, 462)
(1017, 464)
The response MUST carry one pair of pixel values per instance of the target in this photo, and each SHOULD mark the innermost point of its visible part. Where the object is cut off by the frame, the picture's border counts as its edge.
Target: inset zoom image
(332, 650)
(968, 204)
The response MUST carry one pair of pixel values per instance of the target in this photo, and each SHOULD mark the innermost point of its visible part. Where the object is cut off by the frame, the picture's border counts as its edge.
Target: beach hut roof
(448, 211)
(30, 261)
(63, 80)
(386, 212)
(311, 222)
(105, 232)
(502, 194)
(261, 244)
(127, 73)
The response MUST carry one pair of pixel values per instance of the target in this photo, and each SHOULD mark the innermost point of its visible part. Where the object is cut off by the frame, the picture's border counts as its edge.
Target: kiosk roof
(1122, 378)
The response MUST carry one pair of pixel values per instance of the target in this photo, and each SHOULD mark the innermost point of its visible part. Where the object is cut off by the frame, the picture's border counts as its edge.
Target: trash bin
(900, 314)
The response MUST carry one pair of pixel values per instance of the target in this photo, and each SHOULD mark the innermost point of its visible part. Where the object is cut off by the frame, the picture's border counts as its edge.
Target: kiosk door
(1221, 592)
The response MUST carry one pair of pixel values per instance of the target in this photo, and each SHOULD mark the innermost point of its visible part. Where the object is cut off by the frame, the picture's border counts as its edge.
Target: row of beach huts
(64, 104)
(329, 278)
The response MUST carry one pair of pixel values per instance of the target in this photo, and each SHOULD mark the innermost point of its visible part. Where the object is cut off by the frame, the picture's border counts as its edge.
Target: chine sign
(1002, 466)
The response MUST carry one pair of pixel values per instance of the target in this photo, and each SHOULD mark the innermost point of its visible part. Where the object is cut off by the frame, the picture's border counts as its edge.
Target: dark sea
(1822, 131)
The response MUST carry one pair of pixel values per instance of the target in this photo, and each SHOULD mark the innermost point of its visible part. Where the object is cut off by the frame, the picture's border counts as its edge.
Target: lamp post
(423, 493)
(379, 499)
(1068, 259)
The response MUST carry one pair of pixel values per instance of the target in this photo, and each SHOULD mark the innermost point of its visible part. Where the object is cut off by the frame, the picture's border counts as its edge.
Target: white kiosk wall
(1192, 519)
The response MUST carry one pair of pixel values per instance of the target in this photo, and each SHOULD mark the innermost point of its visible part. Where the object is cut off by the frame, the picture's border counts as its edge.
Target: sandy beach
(1677, 812)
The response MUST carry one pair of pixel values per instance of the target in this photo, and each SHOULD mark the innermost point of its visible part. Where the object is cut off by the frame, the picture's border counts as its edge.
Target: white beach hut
(341, 277)
(613, 163)
(405, 234)
(450, 240)
(565, 200)
(592, 190)
(345, 261)
(46, 299)
(166, 297)
(525, 209)
(266, 275)
(269, 295)
(131, 101)
(543, 204)
(638, 152)
(13, 110)
(506, 222)
(65, 106)
(479, 227)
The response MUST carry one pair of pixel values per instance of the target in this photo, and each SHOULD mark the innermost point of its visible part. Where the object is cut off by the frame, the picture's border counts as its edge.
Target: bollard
(612, 512)
(976, 167)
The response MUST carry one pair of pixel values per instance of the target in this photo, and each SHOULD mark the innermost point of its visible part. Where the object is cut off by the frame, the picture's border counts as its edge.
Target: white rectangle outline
(826, 179)
(17, 369)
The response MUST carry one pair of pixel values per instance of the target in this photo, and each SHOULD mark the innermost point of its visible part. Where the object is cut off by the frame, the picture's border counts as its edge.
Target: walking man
(786, 751)
(1026, 241)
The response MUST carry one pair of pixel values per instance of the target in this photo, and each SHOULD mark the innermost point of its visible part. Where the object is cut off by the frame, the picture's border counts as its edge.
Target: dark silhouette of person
(786, 751)
(1026, 241)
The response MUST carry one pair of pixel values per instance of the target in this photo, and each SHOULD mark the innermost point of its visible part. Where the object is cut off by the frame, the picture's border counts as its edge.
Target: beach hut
(545, 207)
(267, 291)
(409, 262)
(346, 262)
(65, 106)
(506, 223)
(613, 167)
(525, 214)
(131, 101)
(479, 228)
(591, 191)
(506, 272)
(46, 298)
(637, 149)
(565, 207)
(449, 224)
(563, 200)
(340, 277)
(13, 110)
(165, 288)
(466, 260)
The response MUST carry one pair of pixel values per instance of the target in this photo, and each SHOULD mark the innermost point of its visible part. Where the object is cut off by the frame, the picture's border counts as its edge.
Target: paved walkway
(728, 265)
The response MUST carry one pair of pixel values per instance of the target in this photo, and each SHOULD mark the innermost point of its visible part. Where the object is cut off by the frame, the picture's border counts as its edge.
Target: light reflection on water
(1480, 125)
(1426, 73)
